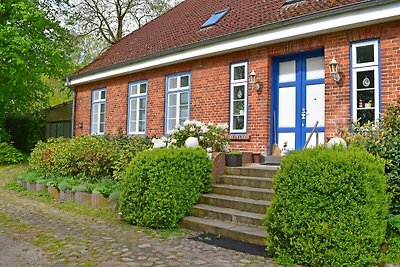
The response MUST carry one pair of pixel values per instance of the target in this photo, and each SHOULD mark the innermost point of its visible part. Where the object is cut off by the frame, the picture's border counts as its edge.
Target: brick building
(260, 66)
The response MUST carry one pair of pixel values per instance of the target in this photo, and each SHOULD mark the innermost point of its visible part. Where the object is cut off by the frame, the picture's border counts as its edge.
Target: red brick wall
(210, 86)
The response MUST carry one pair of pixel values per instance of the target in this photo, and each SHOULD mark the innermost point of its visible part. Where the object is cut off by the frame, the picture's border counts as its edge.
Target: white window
(365, 81)
(238, 98)
(177, 100)
(137, 106)
(98, 111)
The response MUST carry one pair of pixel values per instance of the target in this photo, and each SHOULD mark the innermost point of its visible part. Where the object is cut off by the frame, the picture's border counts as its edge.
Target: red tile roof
(181, 26)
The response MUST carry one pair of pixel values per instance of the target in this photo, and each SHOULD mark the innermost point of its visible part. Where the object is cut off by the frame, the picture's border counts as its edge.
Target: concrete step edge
(244, 188)
(229, 211)
(238, 199)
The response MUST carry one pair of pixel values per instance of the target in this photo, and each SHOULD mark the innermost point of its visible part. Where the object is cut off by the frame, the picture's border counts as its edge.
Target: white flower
(153, 140)
(204, 128)
(173, 141)
(159, 144)
(186, 123)
(209, 149)
(201, 138)
(164, 139)
(222, 126)
(192, 129)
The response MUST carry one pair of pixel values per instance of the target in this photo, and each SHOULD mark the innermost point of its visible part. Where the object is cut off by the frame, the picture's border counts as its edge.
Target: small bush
(9, 154)
(329, 209)
(210, 136)
(4, 136)
(162, 185)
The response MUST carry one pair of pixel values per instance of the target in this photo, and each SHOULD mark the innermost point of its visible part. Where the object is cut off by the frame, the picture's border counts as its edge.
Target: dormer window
(217, 16)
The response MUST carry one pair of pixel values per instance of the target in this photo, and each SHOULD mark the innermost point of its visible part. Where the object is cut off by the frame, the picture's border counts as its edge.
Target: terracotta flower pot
(234, 160)
(98, 201)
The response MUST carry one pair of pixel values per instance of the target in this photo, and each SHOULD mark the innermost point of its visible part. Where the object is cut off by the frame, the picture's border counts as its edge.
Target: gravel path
(37, 233)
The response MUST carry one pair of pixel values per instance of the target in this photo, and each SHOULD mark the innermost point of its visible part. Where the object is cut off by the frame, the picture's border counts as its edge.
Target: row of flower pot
(95, 201)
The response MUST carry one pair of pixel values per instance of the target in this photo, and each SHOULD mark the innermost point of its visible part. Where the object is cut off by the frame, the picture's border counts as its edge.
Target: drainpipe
(68, 83)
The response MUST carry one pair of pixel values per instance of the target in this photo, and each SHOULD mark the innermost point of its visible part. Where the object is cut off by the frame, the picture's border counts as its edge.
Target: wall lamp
(334, 70)
(253, 80)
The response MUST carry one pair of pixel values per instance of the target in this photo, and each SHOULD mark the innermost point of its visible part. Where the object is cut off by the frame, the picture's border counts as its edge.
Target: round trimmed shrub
(329, 208)
(162, 185)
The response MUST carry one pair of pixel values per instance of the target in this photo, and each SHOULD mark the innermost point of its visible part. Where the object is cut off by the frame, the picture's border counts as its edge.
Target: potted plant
(234, 158)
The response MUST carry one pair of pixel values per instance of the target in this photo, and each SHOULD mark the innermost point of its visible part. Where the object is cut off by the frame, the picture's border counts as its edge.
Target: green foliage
(33, 46)
(106, 186)
(90, 156)
(31, 176)
(234, 152)
(124, 151)
(9, 154)
(25, 130)
(162, 185)
(4, 136)
(382, 139)
(329, 209)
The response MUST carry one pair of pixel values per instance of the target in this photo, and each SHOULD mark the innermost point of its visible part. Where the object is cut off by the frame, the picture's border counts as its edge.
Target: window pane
(103, 94)
(172, 100)
(184, 98)
(95, 128)
(366, 99)
(238, 122)
(365, 79)
(143, 88)
(102, 118)
(132, 126)
(171, 124)
(183, 112)
(142, 103)
(102, 107)
(134, 89)
(173, 83)
(184, 81)
(142, 114)
(96, 95)
(238, 92)
(101, 128)
(95, 109)
(365, 54)
(142, 126)
(238, 108)
(365, 115)
(239, 73)
(172, 112)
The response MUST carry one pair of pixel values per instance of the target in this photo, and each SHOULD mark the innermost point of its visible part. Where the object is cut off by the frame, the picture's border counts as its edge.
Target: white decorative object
(337, 141)
(158, 143)
(192, 142)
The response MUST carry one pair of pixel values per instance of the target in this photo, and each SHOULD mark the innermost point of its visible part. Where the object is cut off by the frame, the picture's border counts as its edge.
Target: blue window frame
(365, 81)
(98, 118)
(217, 16)
(137, 108)
(177, 107)
(238, 98)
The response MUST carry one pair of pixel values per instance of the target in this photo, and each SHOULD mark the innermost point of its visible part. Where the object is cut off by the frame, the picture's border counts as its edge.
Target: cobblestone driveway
(68, 238)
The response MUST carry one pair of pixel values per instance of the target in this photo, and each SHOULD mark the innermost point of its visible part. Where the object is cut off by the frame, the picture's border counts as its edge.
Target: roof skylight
(217, 16)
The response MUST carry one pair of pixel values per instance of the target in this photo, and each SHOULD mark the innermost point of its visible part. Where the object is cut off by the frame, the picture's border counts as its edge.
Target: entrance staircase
(236, 206)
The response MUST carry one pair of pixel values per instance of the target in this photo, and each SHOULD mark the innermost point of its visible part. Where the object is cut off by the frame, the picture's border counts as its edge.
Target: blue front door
(298, 99)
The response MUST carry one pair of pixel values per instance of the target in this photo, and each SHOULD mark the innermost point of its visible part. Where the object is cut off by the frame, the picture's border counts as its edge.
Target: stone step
(239, 203)
(243, 191)
(254, 235)
(225, 214)
(258, 182)
(253, 171)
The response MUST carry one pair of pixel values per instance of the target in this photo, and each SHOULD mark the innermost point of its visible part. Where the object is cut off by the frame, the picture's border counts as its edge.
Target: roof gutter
(369, 6)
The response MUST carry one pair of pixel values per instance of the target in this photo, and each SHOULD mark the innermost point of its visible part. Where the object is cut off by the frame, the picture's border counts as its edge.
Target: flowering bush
(209, 136)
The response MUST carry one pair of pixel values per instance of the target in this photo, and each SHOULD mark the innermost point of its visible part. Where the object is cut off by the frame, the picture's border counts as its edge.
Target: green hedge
(162, 185)
(9, 154)
(90, 156)
(329, 209)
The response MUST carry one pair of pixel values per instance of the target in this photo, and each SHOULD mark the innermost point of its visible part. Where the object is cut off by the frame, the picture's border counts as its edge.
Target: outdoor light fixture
(80, 125)
(253, 80)
(334, 67)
